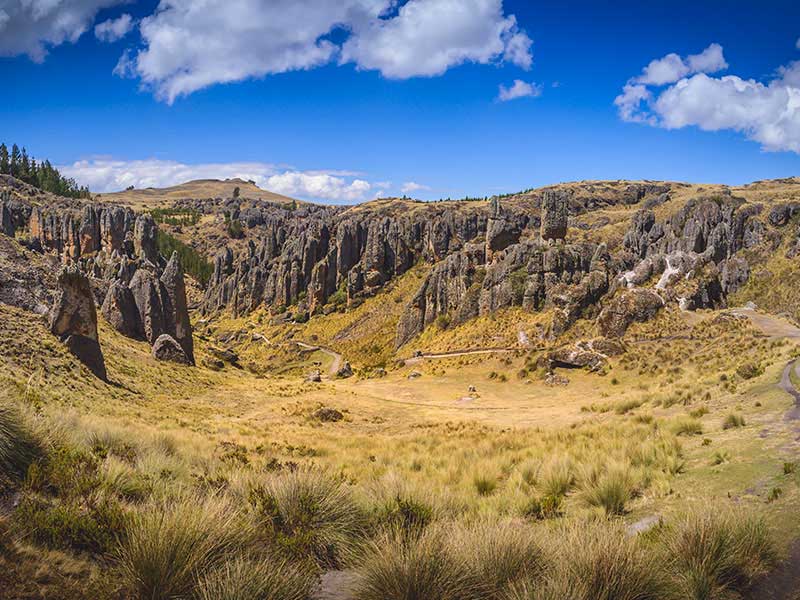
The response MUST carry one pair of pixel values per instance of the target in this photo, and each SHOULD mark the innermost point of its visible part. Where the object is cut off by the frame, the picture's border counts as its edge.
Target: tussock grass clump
(169, 544)
(557, 477)
(686, 425)
(400, 568)
(625, 406)
(484, 484)
(596, 561)
(307, 514)
(498, 555)
(733, 421)
(18, 445)
(612, 490)
(242, 579)
(716, 553)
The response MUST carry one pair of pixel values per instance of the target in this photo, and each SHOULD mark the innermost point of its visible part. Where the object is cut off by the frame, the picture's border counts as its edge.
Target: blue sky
(376, 125)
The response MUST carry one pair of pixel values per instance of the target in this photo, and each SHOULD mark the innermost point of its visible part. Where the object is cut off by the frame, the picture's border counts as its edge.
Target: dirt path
(454, 353)
(787, 386)
(771, 325)
(337, 358)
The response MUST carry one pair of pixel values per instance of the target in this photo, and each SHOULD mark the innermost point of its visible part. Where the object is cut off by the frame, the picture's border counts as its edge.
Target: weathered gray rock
(73, 318)
(166, 348)
(120, 310)
(554, 215)
(144, 238)
(175, 308)
(73, 311)
(631, 306)
(501, 232)
(345, 371)
(147, 294)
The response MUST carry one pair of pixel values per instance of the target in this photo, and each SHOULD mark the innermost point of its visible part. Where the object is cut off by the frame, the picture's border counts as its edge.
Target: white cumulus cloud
(520, 89)
(409, 187)
(672, 67)
(764, 112)
(428, 37)
(190, 45)
(109, 175)
(114, 29)
(32, 26)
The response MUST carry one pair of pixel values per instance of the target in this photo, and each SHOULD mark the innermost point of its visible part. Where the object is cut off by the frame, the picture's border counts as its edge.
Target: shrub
(546, 507)
(243, 579)
(714, 553)
(732, 421)
(789, 468)
(404, 514)
(18, 446)
(91, 526)
(749, 370)
(611, 491)
(168, 544)
(399, 568)
(305, 514)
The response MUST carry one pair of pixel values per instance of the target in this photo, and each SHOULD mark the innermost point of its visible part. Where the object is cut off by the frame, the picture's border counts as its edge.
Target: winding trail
(337, 358)
(453, 353)
(787, 386)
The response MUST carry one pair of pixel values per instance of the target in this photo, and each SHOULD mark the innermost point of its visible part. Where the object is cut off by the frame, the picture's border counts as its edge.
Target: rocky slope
(618, 251)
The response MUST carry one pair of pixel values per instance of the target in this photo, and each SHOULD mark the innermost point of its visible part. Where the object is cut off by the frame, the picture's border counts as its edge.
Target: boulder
(120, 310)
(166, 348)
(314, 376)
(345, 371)
(73, 318)
(632, 306)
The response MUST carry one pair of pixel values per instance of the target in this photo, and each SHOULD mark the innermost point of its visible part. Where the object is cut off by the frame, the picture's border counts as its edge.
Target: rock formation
(120, 310)
(175, 309)
(554, 215)
(73, 318)
(144, 239)
(629, 307)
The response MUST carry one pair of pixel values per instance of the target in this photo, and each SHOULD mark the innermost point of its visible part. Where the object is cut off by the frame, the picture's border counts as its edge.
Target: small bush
(546, 507)
(714, 553)
(92, 526)
(789, 468)
(404, 513)
(243, 579)
(733, 421)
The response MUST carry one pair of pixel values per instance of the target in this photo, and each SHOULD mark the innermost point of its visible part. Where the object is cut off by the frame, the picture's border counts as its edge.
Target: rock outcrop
(554, 215)
(73, 319)
(175, 309)
(629, 307)
(120, 310)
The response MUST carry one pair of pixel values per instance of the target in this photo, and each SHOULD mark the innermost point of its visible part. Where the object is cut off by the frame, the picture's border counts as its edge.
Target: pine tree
(15, 160)
(5, 166)
(25, 167)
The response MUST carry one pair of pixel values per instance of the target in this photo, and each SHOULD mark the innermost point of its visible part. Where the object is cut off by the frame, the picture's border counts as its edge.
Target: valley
(595, 365)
